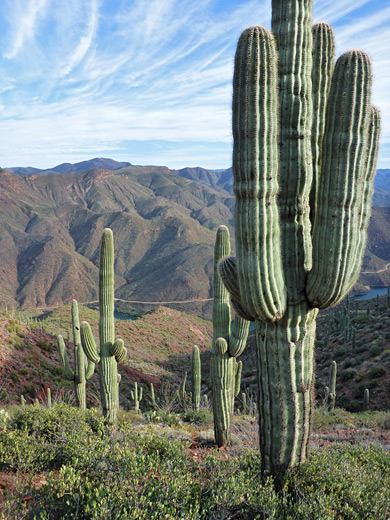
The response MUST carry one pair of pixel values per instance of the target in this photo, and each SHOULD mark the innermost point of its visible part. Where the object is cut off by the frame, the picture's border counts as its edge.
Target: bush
(203, 416)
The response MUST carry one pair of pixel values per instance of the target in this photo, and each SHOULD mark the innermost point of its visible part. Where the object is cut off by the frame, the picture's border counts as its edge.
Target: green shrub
(203, 416)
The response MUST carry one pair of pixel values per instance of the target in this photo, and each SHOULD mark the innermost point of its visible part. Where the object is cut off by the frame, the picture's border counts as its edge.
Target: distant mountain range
(222, 180)
(164, 224)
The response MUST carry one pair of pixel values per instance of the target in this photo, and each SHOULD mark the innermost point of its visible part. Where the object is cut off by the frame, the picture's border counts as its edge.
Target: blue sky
(146, 81)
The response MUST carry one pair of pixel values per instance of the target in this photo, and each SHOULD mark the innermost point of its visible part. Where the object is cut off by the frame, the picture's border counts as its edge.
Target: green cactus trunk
(287, 268)
(227, 345)
(112, 349)
(195, 378)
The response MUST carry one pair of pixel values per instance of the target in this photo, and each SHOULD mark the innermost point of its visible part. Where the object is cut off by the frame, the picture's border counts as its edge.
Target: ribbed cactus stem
(22, 400)
(332, 385)
(226, 346)
(112, 349)
(256, 168)
(323, 64)
(195, 378)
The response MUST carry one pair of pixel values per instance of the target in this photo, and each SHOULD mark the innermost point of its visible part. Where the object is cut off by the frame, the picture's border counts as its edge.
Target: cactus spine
(112, 350)
(83, 368)
(195, 378)
(136, 396)
(287, 268)
(226, 346)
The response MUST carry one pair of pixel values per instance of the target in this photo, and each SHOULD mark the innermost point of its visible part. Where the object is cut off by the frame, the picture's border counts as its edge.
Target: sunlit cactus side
(83, 368)
(112, 350)
(227, 345)
(195, 378)
(366, 399)
(22, 400)
(299, 243)
(136, 396)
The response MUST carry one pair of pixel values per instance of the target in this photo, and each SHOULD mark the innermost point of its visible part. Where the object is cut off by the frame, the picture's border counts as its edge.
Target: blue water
(372, 293)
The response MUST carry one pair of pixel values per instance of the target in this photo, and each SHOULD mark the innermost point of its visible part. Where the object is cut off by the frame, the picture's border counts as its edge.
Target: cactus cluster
(305, 149)
(83, 368)
(112, 349)
(225, 371)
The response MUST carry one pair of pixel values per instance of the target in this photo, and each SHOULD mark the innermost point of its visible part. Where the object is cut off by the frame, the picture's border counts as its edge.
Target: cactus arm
(90, 369)
(372, 156)
(239, 336)
(292, 27)
(140, 393)
(227, 270)
(336, 232)
(237, 378)
(118, 350)
(68, 372)
(88, 342)
(255, 167)
(323, 65)
(221, 306)
(195, 377)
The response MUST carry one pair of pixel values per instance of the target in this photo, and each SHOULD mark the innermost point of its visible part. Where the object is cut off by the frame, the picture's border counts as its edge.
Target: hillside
(159, 348)
(164, 227)
(51, 228)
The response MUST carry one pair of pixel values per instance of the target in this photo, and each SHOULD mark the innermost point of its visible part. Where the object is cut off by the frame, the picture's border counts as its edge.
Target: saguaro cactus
(331, 390)
(136, 396)
(83, 368)
(366, 399)
(227, 345)
(195, 377)
(112, 350)
(286, 268)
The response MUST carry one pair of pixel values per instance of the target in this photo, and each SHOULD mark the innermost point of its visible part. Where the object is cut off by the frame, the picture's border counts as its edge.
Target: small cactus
(48, 399)
(366, 399)
(136, 396)
(195, 378)
(83, 368)
(152, 396)
(22, 400)
(332, 385)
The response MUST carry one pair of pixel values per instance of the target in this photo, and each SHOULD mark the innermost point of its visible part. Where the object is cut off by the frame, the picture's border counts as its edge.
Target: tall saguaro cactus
(227, 345)
(112, 350)
(83, 368)
(299, 239)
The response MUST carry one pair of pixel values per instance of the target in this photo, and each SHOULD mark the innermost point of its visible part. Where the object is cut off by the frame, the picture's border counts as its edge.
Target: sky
(146, 81)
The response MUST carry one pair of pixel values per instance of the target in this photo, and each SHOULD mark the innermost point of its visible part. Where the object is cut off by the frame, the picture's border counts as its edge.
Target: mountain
(92, 164)
(51, 227)
(164, 226)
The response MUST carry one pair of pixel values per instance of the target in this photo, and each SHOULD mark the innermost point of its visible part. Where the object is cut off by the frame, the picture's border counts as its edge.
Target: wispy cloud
(26, 15)
(85, 41)
(101, 76)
